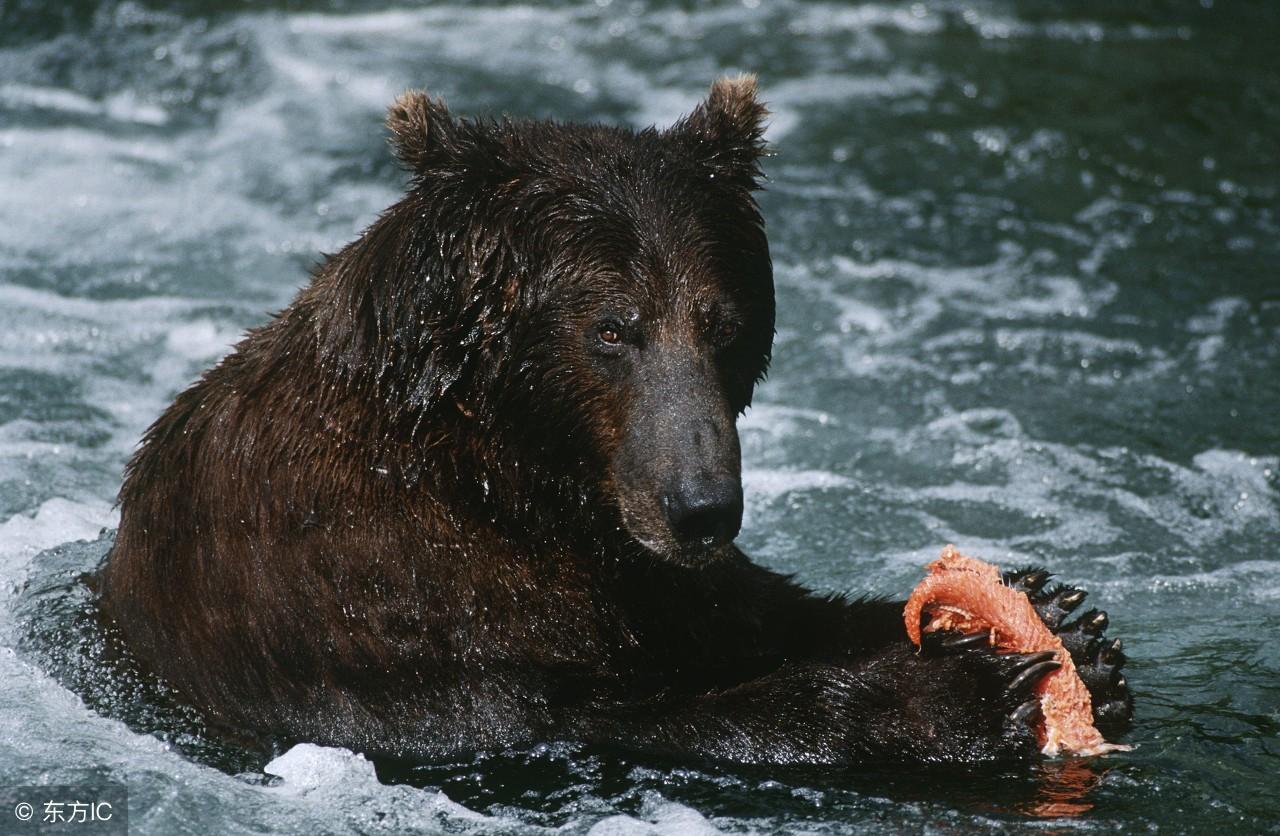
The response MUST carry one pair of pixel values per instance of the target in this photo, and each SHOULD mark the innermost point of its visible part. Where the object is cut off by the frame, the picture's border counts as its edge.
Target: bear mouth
(652, 535)
(684, 533)
(701, 554)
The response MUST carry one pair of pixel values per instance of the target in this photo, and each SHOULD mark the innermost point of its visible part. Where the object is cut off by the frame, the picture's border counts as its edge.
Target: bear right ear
(727, 129)
(422, 130)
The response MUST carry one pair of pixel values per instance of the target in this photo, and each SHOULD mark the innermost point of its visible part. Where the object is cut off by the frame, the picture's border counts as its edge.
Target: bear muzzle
(705, 512)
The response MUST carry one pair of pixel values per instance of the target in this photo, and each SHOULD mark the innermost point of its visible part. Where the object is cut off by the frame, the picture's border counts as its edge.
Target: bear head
(596, 302)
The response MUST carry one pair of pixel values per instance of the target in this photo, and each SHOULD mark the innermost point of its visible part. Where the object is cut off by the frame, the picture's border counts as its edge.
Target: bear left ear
(728, 128)
(423, 132)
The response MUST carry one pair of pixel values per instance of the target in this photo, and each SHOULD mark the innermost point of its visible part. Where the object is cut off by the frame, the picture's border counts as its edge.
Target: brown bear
(478, 485)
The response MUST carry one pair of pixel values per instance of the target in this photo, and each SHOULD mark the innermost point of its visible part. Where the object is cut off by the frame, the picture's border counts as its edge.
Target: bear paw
(1097, 660)
(1017, 673)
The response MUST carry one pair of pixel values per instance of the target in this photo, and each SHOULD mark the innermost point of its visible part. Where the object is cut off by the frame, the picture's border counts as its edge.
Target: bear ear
(422, 130)
(728, 128)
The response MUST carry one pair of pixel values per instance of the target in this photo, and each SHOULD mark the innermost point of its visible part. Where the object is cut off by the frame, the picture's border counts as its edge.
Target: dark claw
(1100, 668)
(1029, 712)
(1018, 661)
(1036, 581)
(971, 640)
(1078, 635)
(1095, 621)
(1072, 599)
(1056, 604)
(1027, 580)
(1033, 674)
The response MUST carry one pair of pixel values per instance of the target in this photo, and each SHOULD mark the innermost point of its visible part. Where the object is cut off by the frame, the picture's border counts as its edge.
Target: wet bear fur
(477, 486)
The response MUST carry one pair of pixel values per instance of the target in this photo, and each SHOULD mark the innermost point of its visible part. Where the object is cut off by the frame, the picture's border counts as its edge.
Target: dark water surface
(1029, 302)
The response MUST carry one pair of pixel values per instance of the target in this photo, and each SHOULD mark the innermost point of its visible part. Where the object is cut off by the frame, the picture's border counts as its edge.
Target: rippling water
(1029, 302)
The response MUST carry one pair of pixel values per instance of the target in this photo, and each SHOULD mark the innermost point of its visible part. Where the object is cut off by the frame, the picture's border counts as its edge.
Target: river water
(1029, 303)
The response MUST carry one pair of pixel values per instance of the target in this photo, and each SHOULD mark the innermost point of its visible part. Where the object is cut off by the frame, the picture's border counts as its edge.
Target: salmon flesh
(967, 595)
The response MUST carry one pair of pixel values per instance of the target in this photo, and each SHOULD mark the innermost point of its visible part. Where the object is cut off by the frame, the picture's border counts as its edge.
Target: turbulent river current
(1026, 258)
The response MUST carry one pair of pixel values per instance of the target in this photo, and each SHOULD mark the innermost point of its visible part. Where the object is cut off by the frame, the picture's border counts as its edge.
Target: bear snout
(706, 512)
(680, 480)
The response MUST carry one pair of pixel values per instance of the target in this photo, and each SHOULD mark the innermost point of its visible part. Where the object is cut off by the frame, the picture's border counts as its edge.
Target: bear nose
(706, 513)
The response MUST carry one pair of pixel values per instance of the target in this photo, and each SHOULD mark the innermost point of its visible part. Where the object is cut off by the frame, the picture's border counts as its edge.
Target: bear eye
(610, 333)
(723, 332)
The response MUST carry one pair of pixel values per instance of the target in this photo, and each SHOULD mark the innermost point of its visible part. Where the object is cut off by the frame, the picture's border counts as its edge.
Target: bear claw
(1056, 604)
(1029, 580)
(1028, 713)
(1032, 674)
(1098, 661)
(1100, 672)
(1072, 599)
(1019, 661)
(1077, 635)
(1096, 673)
(977, 639)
